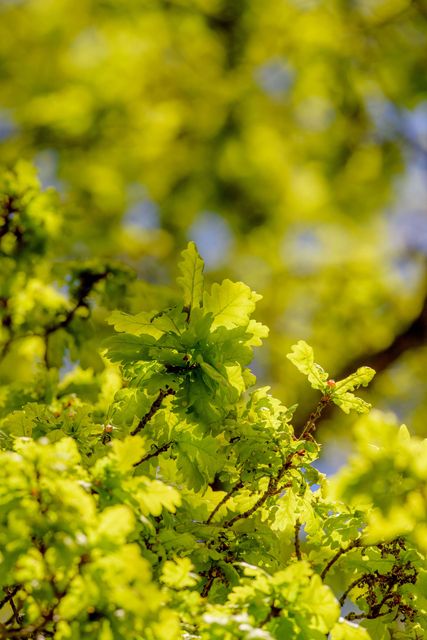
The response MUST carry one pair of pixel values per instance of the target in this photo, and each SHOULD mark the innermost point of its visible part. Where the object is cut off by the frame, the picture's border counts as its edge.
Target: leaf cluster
(162, 495)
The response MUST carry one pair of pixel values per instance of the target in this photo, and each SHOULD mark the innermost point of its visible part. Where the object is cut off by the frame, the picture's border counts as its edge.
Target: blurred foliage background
(288, 138)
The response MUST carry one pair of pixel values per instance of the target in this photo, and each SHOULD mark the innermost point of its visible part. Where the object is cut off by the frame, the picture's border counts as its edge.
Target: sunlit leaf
(230, 303)
(191, 281)
(302, 357)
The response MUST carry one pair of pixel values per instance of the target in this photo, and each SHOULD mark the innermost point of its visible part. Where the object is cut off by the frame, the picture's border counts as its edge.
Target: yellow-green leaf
(191, 281)
(230, 303)
(128, 451)
(135, 325)
(302, 356)
(116, 523)
(344, 630)
(153, 495)
(178, 573)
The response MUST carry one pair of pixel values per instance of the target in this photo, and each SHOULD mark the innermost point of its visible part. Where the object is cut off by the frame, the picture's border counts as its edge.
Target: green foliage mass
(285, 128)
(150, 491)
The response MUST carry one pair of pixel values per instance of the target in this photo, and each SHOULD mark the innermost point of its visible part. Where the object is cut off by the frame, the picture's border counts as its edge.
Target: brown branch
(9, 210)
(152, 410)
(255, 507)
(272, 489)
(87, 282)
(413, 336)
(341, 551)
(213, 573)
(155, 453)
(15, 612)
(5, 347)
(314, 417)
(221, 503)
(375, 610)
(297, 540)
(10, 593)
(273, 613)
(350, 587)
(27, 632)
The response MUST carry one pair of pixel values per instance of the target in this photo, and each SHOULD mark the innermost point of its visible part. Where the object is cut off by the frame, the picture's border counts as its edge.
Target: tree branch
(297, 540)
(87, 282)
(314, 417)
(341, 551)
(413, 336)
(350, 587)
(271, 490)
(221, 503)
(213, 573)
(10, 593)
(152, 410)
(155, 453)
(86, 286)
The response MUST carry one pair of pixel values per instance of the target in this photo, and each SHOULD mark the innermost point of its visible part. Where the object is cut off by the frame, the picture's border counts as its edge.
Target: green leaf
(115, 524)
(128, 348)
(178, 574)
(349, 402)
(135, 325)
(235, 378)
(128, 451)
(378, 630)
(191, 281)
(344, 630)
(258, 331)
(230, 303)
(153, 495)
(341, 395)
(360, 378)
(198, 457)
(321, 605)
(302, 356)
(285, 515)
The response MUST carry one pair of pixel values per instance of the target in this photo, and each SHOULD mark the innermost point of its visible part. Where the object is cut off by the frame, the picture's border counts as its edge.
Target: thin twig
(341, 551)
(26, 632)
(273, 613)
(271, 490)
(10, 593)
(313, 418)
(297, 540)
(152, 410)
(154, 453)
(15, 611)
(213, 573)
(350, 587)
(221, 503)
